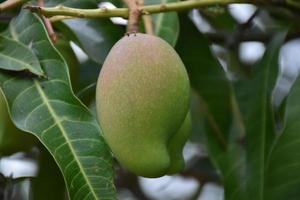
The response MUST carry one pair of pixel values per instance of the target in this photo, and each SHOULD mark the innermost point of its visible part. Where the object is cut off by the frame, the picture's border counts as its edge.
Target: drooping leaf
(209, 80)
(15, 56)
(282, 170)
(165, 25)
(254, 98)
(47, 108)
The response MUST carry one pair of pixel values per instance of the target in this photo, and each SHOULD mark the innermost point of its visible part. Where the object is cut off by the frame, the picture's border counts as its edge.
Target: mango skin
(12, 139)
(176, 145)
(142, 98)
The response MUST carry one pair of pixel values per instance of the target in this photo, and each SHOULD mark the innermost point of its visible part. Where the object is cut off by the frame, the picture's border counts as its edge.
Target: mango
(142, 101)
(176, 145)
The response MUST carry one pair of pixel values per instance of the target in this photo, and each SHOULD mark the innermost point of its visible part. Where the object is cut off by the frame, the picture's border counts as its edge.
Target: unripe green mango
(142, 99)
(12, 139)
(176, 145)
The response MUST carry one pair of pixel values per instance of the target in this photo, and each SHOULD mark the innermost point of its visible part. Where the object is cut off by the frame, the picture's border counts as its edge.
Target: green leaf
(165, 25)
(48, 109)
(95, 36)
(282, 170)
(254, 98)
(15, 56)
(208, 79)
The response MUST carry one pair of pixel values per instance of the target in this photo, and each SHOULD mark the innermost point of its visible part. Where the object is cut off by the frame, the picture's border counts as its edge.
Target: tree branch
(79, 13)
(48, 24)
(10, 4)
(59, 18)
(124, 12)
(293, 3)
(225, 36)
(147, 19)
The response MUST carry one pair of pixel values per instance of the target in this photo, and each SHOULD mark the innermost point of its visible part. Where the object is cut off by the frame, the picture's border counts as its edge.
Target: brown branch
(134, 16)
(48, 24)
(10, 4)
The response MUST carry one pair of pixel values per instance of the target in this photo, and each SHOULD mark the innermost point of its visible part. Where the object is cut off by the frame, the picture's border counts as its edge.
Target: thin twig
(60, 18)
(134, 16)
(249, 22)
(147, 19)
(198, 192)
(241, 30)
(123, 12)
(48, 24)
(10, 4)
(222, 37)
(293, 3)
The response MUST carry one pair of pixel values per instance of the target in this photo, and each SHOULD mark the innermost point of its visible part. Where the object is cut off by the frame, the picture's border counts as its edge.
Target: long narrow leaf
(282, 171)
(254, 98)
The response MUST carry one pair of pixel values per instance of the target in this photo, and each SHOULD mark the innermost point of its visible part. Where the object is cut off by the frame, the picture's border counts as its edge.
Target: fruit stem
(134, 16)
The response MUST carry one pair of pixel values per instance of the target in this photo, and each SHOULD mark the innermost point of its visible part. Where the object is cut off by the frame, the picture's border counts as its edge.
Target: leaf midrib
(264, 130)
(264, 121)
(61, 128)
